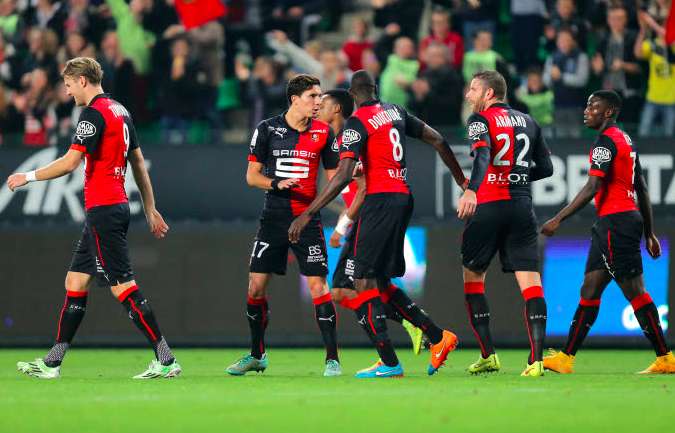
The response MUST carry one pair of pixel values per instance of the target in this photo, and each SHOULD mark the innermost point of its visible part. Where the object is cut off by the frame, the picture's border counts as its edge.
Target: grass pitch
(96, 395)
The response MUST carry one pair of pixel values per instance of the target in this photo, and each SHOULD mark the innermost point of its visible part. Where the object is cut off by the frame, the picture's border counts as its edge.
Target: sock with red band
(372, 318)
(648, 316)
(257, 312)
(535, 320)
(70, 318)
(583, 320)
(479, 316)
(141, 314)
(412, 313)
(326, 319)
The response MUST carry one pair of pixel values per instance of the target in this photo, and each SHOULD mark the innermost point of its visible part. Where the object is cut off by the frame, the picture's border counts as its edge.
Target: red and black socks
(648, 316)
(373, 319)
(141, 314)
(70, 318)
(535, 320)
(479, 316)
(583, 320)
(405, 306)
(326, 319)
(257, 313)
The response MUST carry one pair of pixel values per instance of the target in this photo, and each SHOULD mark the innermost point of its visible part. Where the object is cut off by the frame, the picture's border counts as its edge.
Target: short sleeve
(89, 131)
(478, 132)
(354, 137)
(257, 149)
(413, 125)
(330, 155)
(133, 138)
(601, 157)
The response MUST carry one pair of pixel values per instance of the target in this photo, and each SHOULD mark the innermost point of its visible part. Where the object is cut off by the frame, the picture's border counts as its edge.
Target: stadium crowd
(422, 53)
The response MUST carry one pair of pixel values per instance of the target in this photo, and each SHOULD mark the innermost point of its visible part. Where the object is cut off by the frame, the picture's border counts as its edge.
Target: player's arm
(257, 156)
(416, 128)
(359, 198)
(541, 157)
(645, 206)
(158, 227)
(479, 136)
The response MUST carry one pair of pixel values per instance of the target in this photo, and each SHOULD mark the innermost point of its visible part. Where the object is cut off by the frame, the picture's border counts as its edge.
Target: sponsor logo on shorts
(316, 254)
(601, 155)
(476, 129)
(349, 137)
(349, 268)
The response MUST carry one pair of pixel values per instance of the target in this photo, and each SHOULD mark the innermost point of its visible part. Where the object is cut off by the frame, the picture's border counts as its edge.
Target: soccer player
(105, 137)
(376, 133)
(284, 161)
(615, 179)
(509, 152)
(336, 107)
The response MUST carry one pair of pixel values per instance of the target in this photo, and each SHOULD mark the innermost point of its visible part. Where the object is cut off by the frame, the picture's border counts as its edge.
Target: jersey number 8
(397, 149)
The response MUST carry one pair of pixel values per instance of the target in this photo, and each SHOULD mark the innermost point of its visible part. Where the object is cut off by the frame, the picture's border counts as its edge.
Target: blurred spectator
(42, 48)
(10, 119)
(76, 45)
(85, 19)
(264, 88)
(290, 16)
(482, 57)
(65, 118)
(9, 19)
(118, 71)
(371, 64)
(660, 101)
(527, 27)
(565, 16)
(135, 41)
(441, 32)
(35, 105)
(180, 93)
(478, 15)
(357, 43)
(47, 14)
(617, 66)
(10, 70)
(400, 72)
(405, 14)
(243, 32)
(437, 93)
(537, 97)
(567, 71)
(385, 43)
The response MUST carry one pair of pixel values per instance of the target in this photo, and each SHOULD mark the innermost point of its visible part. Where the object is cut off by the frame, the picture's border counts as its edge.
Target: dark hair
(534, 69)
(363, 84)
(343, 99)
(299, 84)
(493, 80)
(611, 98)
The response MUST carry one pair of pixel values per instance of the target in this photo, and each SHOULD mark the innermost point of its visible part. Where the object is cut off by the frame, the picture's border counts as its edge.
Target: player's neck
(491, 102)
(337, 125)
(91, 94)
(297, 121)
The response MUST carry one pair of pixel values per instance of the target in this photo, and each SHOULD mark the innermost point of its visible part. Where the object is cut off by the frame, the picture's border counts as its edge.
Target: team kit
(361, 143)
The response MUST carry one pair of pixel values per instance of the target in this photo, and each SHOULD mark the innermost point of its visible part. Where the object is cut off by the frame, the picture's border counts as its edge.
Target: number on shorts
(263, 245)
(397, 149)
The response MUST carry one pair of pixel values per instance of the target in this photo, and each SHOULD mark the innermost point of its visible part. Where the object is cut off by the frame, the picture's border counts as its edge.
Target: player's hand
(467, 204)
(297, 226)
(549, 228)
(335, 239)
(17, 180)
(288, 184)
(653, 246)
(158, 227)
(358, 169)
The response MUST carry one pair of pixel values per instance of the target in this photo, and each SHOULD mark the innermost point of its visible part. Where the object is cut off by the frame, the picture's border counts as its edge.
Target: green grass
(95, 394)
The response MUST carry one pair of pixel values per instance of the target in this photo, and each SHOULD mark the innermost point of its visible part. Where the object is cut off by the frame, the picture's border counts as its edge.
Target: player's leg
(479, 319)
(535, 319)
(325, 314)
(400, 308)
(72, 313)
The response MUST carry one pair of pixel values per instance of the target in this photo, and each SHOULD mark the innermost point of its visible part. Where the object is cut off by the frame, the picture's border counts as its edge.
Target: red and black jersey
(376, 134)
(288, 153)
(613, 158)
(105, 133)
(515, 143)
(349, 193)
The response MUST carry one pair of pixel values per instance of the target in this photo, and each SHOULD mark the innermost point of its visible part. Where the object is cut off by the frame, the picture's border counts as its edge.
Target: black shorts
(271, 244)
(102, 250)
(343, 277)
(615, 245)
(380, 235)
(507, 226)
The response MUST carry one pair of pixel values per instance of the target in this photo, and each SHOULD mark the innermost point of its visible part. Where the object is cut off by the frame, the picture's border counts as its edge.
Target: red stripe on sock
(125, 294)
(529, 336)
(589, 302)
(145, 324)
(576, 332)
(256, 301)
(640, 301)
(322, 299)
(655, 330)
(365, 296)
(533, 292)
(72, 294)
(370, 318)
(474, 288)
(483, 352)
(63, 309)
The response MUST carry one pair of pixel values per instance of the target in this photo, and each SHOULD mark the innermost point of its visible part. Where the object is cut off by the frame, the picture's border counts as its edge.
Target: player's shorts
(102, 250)
(271, 244)
(380, 235)
(343, 276)
(615, 245)
(505, 226)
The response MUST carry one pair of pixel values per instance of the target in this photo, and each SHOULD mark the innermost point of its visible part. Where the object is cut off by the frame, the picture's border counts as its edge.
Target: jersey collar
(371, 102)
(609, 125)
(100, 95)
(500, 105)
(283, 120)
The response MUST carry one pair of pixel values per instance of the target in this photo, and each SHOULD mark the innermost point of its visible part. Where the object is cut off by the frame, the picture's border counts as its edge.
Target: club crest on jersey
(85, 129)
(476, 129)
(601, 155)
(350, 136)
(315, 137)
(335, 145)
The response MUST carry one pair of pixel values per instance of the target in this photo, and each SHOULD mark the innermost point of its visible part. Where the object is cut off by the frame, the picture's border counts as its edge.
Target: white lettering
(652, 166)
